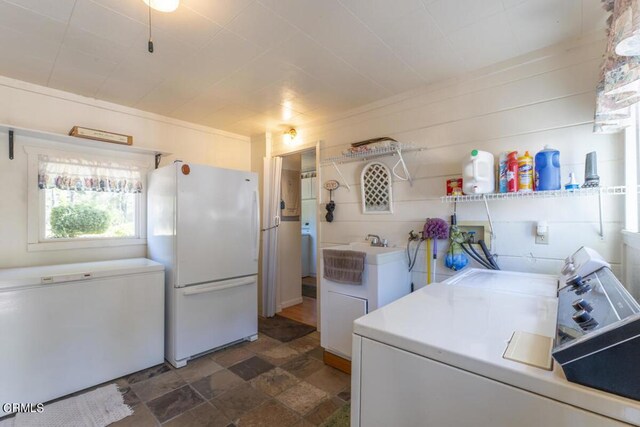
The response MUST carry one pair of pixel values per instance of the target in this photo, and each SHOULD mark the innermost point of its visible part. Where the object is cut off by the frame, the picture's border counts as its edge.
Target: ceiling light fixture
(163, 5)
(289, 136)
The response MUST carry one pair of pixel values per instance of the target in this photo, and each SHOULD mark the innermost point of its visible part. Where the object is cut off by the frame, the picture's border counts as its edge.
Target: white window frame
(630, 234)
(35, 201)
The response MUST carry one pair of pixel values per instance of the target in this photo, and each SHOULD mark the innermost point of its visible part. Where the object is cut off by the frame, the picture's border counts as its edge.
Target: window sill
(86, 244)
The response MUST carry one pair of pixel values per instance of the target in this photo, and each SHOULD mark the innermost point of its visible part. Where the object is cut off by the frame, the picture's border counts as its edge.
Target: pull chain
(150, 45)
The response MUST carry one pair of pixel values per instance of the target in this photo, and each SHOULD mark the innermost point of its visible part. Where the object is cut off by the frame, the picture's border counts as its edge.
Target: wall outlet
(542, 233)
(542, 239)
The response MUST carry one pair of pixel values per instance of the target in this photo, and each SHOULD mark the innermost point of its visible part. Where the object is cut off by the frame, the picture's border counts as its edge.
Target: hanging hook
(407, 175)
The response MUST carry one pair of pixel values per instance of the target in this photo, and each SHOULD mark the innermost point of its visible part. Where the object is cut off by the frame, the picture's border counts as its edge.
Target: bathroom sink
(375, 255)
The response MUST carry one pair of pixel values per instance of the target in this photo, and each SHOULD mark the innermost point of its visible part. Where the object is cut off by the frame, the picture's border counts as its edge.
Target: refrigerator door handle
(256, 234)
(219, 286)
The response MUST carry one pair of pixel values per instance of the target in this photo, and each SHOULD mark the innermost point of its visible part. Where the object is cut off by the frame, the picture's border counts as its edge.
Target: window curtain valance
(85, 174)
(619, 84)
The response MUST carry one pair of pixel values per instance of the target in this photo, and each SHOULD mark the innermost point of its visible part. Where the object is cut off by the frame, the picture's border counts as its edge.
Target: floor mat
(309, 291)
(98, 408)
(283, 329)
(340, 418)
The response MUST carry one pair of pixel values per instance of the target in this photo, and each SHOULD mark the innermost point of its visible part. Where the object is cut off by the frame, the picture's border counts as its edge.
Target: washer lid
(507, 281)
(469, 327)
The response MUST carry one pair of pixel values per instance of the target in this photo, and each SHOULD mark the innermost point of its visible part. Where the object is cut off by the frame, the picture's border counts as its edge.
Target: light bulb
(163, 5)
(289, 136)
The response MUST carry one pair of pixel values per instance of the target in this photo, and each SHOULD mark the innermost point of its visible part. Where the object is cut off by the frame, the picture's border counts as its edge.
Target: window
(81, 200)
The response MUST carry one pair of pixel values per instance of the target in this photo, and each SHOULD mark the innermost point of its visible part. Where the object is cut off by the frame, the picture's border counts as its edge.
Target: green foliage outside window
(68, 221)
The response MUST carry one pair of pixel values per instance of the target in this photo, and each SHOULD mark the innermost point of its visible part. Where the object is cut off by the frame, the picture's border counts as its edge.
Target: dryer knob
(585, 320)
(582, 317)
(582, 304)
(575, 281)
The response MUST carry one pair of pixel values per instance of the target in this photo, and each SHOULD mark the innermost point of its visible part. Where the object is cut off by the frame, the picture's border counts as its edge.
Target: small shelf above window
(57, 137)
(554, 194)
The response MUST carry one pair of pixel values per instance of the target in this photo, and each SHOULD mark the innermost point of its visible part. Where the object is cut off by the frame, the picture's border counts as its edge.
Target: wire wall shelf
(580, 192)
(392, 149)
(388, 150)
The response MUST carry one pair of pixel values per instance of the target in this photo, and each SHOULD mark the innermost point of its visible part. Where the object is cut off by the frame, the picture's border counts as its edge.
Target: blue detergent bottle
(547, 167)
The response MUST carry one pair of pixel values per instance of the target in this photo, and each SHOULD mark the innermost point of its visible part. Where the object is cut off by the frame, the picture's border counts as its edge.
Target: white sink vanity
(385, 279)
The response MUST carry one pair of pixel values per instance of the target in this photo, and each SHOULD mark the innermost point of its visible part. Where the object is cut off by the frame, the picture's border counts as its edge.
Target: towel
(343, 266)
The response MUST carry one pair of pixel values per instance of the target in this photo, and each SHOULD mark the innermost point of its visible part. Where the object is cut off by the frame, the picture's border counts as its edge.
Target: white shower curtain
(270, 222)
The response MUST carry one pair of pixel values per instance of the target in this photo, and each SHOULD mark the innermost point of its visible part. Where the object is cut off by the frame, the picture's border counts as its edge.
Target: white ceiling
(245, 65)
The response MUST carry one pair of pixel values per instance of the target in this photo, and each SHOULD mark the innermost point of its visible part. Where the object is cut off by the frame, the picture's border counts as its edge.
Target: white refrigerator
(203, 225)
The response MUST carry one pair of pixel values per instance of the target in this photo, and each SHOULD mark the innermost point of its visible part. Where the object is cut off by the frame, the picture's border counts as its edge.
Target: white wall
(546, 97)
(31, 106)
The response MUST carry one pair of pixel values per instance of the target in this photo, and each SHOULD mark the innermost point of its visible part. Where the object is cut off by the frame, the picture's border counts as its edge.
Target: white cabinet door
(343, 310)
(306, 188)
(314, 190)
(306, 254)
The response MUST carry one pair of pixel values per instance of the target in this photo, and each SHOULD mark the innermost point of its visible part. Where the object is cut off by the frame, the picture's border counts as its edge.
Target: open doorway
(298, 238)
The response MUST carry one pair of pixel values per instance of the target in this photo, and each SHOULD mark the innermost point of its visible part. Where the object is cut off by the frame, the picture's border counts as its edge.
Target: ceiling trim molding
(105, 105)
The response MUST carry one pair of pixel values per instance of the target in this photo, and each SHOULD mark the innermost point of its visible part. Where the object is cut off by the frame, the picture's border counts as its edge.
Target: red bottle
(512, 172)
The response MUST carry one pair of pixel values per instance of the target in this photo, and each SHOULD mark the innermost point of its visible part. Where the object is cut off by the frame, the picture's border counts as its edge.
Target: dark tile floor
(263, 383)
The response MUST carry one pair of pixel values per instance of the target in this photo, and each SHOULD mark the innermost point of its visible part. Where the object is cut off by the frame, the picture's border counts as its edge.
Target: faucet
(377, 241)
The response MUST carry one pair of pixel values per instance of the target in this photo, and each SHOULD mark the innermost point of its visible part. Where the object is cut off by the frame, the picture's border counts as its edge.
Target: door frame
(300, 150)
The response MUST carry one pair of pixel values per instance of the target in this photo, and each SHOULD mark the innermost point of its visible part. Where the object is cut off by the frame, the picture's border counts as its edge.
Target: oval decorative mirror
(376, 189)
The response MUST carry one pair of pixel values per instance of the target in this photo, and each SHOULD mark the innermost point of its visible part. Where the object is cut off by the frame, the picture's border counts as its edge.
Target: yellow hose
(428, 261)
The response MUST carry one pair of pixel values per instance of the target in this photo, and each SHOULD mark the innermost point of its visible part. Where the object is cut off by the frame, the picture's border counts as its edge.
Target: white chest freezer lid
(29, 276)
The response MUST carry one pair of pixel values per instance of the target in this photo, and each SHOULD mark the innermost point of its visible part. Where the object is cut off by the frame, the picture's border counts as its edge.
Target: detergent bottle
(525, 173)
(502, 172)
(548, 170)
(512, 172)
(478, 176)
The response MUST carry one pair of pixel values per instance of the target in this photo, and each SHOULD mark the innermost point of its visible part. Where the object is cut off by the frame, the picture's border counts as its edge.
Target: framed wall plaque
(101, 135)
